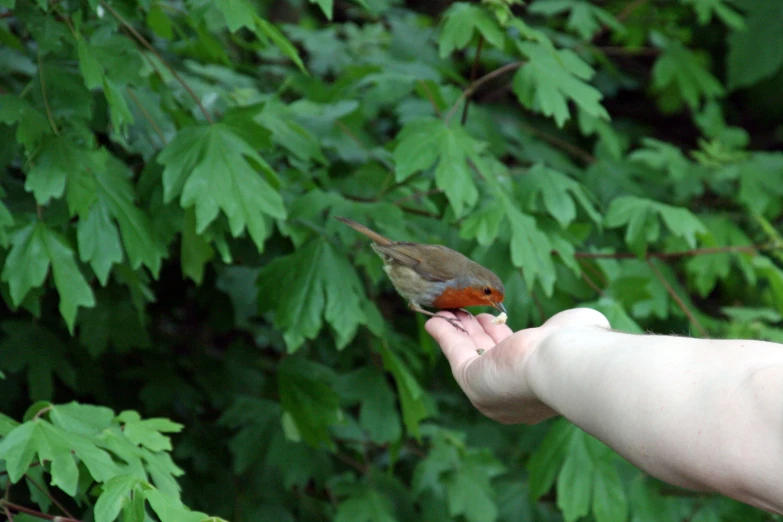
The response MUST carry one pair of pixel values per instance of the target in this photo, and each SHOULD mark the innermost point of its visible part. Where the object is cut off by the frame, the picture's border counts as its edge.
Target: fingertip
(498, 332)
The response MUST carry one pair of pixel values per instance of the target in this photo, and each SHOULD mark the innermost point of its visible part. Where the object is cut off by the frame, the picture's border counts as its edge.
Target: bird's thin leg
(455, 323)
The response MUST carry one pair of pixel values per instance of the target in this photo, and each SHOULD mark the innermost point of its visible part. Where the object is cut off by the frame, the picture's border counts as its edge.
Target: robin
(435, 276)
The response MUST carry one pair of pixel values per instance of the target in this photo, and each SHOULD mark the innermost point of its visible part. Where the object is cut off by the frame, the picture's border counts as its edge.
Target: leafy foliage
(168, 250)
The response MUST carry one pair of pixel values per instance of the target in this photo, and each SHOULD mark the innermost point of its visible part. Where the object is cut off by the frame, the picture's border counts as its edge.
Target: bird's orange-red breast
(434, 275)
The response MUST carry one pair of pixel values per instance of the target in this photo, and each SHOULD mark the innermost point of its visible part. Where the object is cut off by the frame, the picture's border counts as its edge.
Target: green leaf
(424, 141)
(326, 6)
(238, 14)
(469, 490)
(462, 20)
(368, 506)
(89, 65)
(171, 509)
(215, 169)
(584, 19)
(680, 70)
(282, 43)
(35, 248)
(551, 77)
(750, 61)
(641, 217)
(574, 484)
(483, 224)
(83, 419)
(311, 285)
(531, 250)
(148, 432)
(559, 194)
(610, 503)
(195, 250)
(38, 437)
(412, 397)
(54, 163)
(99, 242)
(307, 396)
(114, 497)
(378, 412)
(31, 124)
(545, 463)
(706, 9)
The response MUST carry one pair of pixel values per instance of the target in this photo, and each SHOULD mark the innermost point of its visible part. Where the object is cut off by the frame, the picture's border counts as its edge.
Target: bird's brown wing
(427, 260)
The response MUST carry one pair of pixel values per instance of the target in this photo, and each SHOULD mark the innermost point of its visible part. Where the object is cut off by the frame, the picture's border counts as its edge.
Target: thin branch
(41, 412)
(565, 146)
(430, 97)
(680, 303)
(473, 72)
(8, 514)
(149, 47)
(147, 115)
(592, 284)
(621, 16)
(351, 462)
(51, 497)
(45, 97)
(478, 83)
(37, 514)
(681, 253)
(416, 195)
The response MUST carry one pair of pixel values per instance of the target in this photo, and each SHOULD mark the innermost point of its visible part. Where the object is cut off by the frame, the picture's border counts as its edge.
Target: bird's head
(478, 287)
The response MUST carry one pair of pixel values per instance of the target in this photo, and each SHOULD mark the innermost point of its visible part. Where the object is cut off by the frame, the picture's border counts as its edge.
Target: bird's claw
(455, 323)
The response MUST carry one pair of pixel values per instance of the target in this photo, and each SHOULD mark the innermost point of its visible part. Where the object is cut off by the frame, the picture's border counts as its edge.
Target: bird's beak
(500, 307)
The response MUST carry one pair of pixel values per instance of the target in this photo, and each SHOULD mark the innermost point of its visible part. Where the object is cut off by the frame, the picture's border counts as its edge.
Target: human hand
(501, 382)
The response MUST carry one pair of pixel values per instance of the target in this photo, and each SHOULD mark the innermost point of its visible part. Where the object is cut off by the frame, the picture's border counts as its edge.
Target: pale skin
(698, 413)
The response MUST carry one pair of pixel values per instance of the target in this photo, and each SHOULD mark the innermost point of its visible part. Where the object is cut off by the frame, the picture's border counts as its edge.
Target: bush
(171, 170)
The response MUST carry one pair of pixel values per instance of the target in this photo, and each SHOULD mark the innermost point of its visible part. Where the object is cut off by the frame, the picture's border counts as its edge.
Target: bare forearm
(697, 413)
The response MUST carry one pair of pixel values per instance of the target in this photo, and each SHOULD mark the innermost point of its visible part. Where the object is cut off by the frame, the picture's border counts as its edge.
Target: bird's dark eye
(487, 290)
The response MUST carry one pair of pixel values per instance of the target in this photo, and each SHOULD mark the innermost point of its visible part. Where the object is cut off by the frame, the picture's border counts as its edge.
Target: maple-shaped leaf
(115, 495)
(306, 395)
(552, 77)
(213, 169)
(425, 141)
(707, 9)
(584, 19)
(705, 271)
(559, 194)
(61, 448)
(411, 395)
(641, 217)
(748, 62)
(58, 160)
(31, 124)
(531, 250)
(462, 21)
(366, 506)
(309, 286)
(35, 248)
(680, 71)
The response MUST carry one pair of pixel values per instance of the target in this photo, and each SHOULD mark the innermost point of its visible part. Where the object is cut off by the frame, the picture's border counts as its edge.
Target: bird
(434, 276)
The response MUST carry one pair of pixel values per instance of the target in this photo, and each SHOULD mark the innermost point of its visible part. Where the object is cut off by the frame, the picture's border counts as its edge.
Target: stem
(22, 509)
(473, 71)
(568, 148)
(54, 500)
(149, 47)
(681, 253)
(45, 98)
(42, 411)
(680, 303)
(147, 115)
(478, 83)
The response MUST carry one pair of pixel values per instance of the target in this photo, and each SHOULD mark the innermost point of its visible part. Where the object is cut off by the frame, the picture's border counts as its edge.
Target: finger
(579, 317)
(456, 346)
(497, 332)
(476, 331)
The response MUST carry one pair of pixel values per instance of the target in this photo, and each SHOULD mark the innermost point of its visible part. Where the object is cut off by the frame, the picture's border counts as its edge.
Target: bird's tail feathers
(376, 237)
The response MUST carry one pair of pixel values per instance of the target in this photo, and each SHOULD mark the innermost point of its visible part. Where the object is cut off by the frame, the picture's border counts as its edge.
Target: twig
(478, 83)
(591, 283)
(569, 148)
(681, 253)
(621, 16)
(409, 210)
(8, 514)
(147, 115)
(473, 71)
(149, 47)
(46, 98)
(416, 195)
(38, 514)
(51, 497)
(41, 412)
(691, 317)
(351, 462)
(430, 97)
